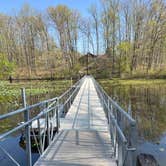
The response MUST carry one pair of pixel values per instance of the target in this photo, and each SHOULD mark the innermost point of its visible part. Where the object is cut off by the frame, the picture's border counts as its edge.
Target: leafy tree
(6, 67)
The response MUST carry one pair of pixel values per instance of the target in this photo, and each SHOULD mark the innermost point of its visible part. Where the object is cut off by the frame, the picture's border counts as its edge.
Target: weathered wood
(83, 139)
(86, 111)
(79, 148)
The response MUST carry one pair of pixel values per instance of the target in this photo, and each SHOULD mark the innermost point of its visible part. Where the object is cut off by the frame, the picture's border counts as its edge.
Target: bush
(6, 67)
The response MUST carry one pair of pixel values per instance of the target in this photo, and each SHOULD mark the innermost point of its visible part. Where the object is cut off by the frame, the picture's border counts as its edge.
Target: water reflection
(148, 105)
(11, 145)
(15, 120)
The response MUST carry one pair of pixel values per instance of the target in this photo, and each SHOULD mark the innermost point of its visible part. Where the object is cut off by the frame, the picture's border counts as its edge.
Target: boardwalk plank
(84, 138)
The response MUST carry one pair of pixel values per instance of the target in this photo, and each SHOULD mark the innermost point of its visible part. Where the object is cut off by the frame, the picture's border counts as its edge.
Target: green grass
(10, 96)
(9, 92)
(133, 81)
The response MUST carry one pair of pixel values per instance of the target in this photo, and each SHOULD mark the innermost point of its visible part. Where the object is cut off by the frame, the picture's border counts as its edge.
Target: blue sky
(10, 6)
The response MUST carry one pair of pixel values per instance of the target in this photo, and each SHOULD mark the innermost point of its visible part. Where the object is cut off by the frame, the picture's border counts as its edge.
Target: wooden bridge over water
(82, 127)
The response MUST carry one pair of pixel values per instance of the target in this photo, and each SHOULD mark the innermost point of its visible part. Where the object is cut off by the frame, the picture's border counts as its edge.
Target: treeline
(131, 33)
(26, 41)
(40, 42)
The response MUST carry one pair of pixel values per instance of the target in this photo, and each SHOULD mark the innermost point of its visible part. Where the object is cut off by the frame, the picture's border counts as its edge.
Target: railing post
(129, 109)
(120, 152)
(108, 111)
(111, 126)
(57, 117)
(39, 136)
(27, 129)
(120, 144)
(133, 141)
(71, 81)
(57, 120)
(48, 125)
(127, 149)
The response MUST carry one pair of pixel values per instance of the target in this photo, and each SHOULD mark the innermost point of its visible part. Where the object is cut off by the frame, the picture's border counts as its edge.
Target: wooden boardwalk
(83, 139)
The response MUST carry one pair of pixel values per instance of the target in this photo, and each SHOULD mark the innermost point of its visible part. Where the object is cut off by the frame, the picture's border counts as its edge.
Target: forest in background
(128, 38)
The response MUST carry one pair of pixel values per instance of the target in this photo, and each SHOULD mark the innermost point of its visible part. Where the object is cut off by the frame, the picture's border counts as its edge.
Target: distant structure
(86, 59)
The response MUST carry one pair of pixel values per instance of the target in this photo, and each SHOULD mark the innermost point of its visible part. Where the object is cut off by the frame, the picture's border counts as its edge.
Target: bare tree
(95, 15)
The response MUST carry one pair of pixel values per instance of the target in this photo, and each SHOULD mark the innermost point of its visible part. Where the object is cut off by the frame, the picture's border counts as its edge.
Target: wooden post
(71, 81)
(10, 79)
(27, 129)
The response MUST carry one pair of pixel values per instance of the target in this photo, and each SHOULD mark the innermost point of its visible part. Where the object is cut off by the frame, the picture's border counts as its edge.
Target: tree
(6, 67)
(66, 24)
(95, 16)
(110, 22)
(86, 30)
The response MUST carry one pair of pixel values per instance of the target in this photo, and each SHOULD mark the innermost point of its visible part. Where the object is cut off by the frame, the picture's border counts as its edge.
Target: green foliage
(76, 69)
(6, 67)
(123, 60)
(123, 64)
(11, 92)
(66, 72)
(135, 82)
(103, 73)
(124, 47)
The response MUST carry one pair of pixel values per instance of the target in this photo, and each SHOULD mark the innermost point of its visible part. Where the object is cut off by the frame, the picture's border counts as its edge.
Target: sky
(11, 6)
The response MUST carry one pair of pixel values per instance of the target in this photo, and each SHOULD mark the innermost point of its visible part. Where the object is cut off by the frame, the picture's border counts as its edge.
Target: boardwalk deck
(84, 138)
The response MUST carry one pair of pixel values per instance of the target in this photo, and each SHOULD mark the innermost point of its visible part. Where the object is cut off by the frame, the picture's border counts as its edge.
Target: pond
(147, 100)
(10, 99)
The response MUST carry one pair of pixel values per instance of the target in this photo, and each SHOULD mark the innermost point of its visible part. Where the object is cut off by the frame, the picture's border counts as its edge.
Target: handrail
(50, 109)
(132, 121)
(61, 96)
(2, 136)
(122, 136)
(126, 145)
(7, 115)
